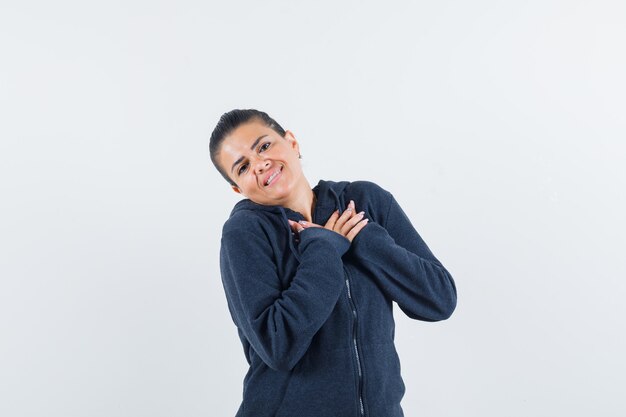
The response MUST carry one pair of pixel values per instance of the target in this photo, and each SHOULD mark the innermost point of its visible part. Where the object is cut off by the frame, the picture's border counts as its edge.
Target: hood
(328, 198)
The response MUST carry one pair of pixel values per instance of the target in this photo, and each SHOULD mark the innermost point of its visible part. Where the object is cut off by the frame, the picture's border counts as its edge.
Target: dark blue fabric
(315, 315)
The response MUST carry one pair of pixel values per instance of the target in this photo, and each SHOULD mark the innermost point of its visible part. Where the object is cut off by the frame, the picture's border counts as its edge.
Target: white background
(498, 126)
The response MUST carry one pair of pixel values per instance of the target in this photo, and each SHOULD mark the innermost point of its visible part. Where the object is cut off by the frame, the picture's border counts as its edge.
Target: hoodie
(314, 312)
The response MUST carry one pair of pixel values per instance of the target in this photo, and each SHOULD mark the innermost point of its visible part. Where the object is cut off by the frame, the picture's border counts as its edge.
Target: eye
(243, 167)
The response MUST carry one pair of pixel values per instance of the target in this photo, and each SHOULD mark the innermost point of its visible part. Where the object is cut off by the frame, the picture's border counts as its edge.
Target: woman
(310, 275)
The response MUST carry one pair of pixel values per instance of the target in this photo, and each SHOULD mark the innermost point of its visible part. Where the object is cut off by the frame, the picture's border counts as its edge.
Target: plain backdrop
(499, 127)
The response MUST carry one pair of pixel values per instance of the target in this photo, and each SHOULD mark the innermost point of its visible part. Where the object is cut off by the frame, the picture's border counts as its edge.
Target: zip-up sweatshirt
(314, 310)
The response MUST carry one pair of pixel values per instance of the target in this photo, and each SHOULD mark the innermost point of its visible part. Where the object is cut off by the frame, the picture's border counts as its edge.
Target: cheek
(249, 180)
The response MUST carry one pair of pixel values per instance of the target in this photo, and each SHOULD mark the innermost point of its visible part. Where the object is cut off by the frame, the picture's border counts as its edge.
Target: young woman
(310, 275)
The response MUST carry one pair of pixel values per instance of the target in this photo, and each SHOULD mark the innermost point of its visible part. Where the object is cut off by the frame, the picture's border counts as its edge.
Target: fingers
(301, 225)
(306, 224)
(295, 226)
(332, 220)
(351, 223)
(345, 216)
(356, 229)
(348, 224)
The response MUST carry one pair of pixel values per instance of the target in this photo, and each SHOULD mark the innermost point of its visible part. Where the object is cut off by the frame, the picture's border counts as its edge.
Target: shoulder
(368, 190)
(245, 222)
(371, 197)
(367, 186)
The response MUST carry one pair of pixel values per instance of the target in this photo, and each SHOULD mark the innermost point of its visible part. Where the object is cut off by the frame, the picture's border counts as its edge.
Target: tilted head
(248, 148)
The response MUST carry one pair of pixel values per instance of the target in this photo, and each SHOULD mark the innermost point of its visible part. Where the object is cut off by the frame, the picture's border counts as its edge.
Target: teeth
(272, 177)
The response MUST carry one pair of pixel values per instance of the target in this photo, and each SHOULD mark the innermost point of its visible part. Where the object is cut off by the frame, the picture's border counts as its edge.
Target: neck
(303, 201)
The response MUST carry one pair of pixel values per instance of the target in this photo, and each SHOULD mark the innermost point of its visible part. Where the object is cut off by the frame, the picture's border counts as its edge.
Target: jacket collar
(327, 195)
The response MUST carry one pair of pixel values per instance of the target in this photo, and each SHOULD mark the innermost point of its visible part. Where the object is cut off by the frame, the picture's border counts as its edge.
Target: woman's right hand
(349, 224)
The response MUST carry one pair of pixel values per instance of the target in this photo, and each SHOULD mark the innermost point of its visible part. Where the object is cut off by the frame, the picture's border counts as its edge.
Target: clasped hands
(349, 224)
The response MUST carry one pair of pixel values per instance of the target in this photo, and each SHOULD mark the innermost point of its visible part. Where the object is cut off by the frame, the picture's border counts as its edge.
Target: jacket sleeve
(280, 323)
(404, 267)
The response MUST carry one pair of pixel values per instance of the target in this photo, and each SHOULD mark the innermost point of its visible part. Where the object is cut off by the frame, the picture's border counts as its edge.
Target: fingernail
(352, 203)
(361, 213)
(302, 222)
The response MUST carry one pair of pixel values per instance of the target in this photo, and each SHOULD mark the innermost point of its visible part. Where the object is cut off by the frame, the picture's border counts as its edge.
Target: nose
(261, 166)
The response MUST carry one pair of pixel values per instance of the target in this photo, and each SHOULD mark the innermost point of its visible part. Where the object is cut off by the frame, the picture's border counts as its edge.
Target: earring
(299, 156)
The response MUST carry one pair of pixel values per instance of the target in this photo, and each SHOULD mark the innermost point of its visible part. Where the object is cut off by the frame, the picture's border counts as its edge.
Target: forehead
(244, 136)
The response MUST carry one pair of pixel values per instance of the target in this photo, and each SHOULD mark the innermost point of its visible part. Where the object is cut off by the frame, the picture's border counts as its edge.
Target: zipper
(356, 348)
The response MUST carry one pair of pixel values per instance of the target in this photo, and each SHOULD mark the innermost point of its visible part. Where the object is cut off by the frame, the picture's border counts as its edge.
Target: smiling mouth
(272, 177)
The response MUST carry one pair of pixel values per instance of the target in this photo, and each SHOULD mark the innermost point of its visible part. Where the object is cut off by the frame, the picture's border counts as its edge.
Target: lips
(278, 173)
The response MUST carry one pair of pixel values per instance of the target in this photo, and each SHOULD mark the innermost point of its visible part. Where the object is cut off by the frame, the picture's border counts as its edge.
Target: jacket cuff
(369, 238)
(338, 241)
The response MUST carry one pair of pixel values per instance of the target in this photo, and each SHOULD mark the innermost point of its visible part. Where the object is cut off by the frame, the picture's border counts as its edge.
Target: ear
(236, 189)
(293, 142)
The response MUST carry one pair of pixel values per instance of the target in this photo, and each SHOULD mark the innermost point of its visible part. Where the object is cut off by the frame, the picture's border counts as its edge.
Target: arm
(404, 267)
(280, 324)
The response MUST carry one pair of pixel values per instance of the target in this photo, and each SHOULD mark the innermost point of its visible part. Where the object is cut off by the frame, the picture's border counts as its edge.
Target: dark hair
(231, 121)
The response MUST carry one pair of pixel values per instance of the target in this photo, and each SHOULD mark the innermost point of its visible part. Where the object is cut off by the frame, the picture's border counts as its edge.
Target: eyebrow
(251, 148)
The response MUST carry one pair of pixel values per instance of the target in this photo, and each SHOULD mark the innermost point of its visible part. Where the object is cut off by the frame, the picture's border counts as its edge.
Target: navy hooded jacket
(314, 315)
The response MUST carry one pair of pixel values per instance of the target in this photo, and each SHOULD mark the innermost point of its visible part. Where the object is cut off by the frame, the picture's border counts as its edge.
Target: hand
(349, 224)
